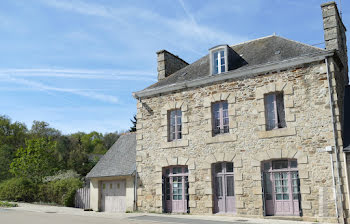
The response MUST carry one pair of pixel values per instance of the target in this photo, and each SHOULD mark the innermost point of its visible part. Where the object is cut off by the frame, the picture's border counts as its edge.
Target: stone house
(112, 179)
(254, 129)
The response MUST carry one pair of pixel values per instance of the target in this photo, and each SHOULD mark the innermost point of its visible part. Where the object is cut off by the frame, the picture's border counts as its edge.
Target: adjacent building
(252, 129)
(112, 180)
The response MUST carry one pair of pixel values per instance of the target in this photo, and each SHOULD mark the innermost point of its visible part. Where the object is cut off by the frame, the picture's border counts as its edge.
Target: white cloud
(185, 33)
(42, 87)
(131, 75)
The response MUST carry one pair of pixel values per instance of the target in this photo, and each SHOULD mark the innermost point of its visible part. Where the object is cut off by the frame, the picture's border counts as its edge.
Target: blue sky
(74, 64)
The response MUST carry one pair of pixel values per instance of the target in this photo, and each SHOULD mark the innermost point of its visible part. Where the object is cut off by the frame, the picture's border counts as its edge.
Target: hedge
(61, 192)
(18, 189)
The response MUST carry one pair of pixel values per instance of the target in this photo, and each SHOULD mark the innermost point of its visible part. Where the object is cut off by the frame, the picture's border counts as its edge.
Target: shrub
(7, 204)
(61, 192)
(18, 189)
(61, 175)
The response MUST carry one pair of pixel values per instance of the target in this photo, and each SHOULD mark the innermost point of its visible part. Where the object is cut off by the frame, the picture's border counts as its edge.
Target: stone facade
(309, 128)
(312, 124)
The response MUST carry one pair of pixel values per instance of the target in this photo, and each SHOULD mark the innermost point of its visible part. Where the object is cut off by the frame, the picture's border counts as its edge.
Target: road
(8, 216)
(44, 214)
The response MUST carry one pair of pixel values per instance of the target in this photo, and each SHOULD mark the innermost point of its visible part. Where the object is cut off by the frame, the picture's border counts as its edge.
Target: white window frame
(218, 49)
(219, 52)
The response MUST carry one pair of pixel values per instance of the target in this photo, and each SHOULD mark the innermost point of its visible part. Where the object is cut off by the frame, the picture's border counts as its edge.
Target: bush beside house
(60, 192)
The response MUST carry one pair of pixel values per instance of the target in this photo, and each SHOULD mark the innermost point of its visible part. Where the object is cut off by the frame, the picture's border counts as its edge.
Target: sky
(75, 63)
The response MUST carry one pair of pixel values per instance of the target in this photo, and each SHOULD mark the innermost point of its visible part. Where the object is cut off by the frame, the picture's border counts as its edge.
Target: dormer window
(219, 62)
(218, 59)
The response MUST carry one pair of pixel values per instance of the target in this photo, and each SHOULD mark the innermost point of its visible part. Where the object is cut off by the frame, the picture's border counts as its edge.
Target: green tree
(12, 136)
(36, 160)
(41, 129)
(109, 139)
(134, 122)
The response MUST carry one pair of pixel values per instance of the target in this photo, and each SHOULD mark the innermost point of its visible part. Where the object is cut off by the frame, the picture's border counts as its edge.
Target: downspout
(347, 178)
(135, 189)
(336, 146)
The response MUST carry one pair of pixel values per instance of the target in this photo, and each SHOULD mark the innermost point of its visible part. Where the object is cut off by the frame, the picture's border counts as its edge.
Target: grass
(7, 204)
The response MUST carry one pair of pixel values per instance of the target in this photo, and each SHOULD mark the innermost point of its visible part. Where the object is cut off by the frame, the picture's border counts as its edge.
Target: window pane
(285, 196)
(230, 186)
(218, 186)
(278, 196)
(293, 164)
(218, 167)
(268, 183)
(229, 167)
(267, 166)
(270, 111)
(216, 63)
(280, 164)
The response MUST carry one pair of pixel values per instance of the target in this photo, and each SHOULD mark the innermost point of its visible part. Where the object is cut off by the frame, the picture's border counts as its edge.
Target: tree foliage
(134, 122)
(36, 160)
(75, 151)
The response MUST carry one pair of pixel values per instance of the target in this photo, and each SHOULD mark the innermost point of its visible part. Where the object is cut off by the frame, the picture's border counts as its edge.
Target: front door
(224, 195)
(281, 188)
(175, 187)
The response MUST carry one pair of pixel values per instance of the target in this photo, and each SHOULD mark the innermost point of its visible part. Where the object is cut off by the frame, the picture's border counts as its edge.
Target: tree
(42, 129)
(12, 136)
(134, 122)
(109, 139)
(36, 160)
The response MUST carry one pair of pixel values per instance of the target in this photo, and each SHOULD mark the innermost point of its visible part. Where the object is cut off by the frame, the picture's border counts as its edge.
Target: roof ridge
(248, 41)
(298, 42)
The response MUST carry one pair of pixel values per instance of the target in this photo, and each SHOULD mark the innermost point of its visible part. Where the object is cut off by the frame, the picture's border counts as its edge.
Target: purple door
(281, 188)
(176, 189)
(224, 195)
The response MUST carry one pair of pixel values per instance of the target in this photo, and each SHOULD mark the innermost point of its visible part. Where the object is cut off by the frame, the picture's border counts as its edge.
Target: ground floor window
(281, 187)
(175, 189)
(223, 188)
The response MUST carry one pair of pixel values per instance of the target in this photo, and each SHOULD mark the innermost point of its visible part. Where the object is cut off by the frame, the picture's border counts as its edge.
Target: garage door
(113, 196)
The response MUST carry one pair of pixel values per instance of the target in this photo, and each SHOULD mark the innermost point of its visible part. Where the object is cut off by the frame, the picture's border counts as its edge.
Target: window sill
(221, 138)
(280, 132)
(175, 144)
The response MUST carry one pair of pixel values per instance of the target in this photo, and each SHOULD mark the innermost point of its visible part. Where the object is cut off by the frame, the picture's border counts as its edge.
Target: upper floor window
(175, 124)
(219, 59)
(274, 111)
(220, 118)
(218, 62)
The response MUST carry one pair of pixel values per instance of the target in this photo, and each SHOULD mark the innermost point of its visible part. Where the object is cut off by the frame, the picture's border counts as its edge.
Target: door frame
(223, 174)
(267, 168)
(168, 172)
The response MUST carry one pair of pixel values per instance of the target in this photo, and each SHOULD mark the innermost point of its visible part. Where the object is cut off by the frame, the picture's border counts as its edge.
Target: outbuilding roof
(120, 159)
(254, 53)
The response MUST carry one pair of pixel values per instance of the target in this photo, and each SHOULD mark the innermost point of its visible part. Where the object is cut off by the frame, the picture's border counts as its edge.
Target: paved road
(44, 214)
(9, 216)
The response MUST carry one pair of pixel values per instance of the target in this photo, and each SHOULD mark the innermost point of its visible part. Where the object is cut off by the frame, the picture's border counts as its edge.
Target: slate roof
(346, 133)
(120, 159)
(261, 51)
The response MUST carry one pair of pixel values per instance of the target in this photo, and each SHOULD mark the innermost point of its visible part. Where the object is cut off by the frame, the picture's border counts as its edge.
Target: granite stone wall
(248, 144)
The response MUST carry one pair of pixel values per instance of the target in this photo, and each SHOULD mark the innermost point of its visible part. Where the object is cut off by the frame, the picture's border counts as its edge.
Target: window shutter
(280, 111)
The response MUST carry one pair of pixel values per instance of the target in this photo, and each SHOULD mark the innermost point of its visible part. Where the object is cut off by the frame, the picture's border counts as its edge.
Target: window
(274, 111)
(175, 125)
(218, 62)
(220, 118)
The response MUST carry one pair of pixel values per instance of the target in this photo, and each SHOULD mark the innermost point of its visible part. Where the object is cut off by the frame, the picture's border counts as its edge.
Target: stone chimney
(334, 31)
(168, 64)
